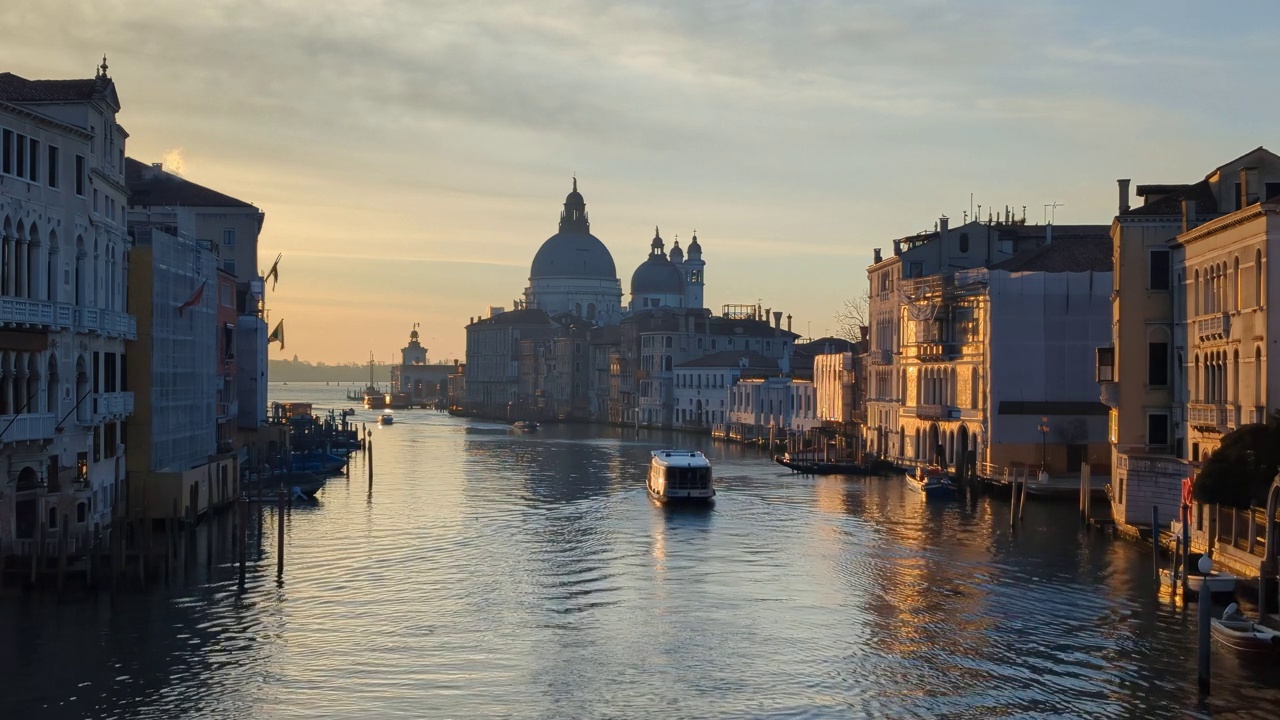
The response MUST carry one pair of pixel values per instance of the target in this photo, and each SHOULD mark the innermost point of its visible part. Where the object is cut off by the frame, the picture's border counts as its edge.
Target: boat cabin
(680, 474)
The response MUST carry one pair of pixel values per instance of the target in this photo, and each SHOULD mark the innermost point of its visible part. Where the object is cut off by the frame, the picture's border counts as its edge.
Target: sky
(411, 156)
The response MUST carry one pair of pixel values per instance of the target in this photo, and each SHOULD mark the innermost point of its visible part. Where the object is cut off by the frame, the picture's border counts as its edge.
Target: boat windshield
(689, 478)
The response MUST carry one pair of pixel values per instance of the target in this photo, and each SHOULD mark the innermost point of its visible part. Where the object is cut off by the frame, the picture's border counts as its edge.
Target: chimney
(1188, 214)
(877, 256)
(777, 319)
(1048, 234)
(942, 224)
(788, 322)
(1124, 195)
(1249, 187)
(864, 332)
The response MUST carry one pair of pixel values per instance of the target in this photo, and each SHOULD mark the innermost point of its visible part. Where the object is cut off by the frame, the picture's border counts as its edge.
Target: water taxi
(386, 418)
(932, 481)
(680, 475)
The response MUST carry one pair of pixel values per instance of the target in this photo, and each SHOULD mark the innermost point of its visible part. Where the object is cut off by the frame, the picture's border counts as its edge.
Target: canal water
(493, 574)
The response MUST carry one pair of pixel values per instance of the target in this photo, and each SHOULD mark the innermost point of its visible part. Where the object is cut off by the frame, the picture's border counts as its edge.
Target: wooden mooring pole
(1155, 540)
(281, 498)
(1205, 601)
(244, 537)
(369, 464)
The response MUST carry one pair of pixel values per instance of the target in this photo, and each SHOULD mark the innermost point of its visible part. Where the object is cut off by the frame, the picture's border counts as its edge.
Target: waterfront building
(701, 389)
(1144, 370)
(172, 451)
(945, 327)
(573, 272)
(228, 401)
(655, 340)
(493, 357)
(1222, 304)
(458, 386)
(230, 228)
(63, 401)
(413, 380)
(770, 408)
(834, 386)
(604, 348)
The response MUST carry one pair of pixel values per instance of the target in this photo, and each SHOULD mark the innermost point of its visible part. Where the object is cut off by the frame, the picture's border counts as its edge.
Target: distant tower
(694, 270)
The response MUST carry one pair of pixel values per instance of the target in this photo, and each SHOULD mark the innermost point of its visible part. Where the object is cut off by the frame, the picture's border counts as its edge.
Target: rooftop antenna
(1050, 210)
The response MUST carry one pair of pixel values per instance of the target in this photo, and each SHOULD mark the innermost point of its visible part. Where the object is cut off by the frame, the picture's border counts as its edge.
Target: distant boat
(524, 426)
(680, 476)
(386, 418)
(932, 482)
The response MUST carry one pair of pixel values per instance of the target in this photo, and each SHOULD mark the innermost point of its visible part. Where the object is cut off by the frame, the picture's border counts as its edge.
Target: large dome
(574, 252)
(573, 255)
(657, 276)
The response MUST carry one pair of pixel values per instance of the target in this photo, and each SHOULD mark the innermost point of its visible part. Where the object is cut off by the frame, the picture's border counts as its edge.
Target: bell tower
(694, 274)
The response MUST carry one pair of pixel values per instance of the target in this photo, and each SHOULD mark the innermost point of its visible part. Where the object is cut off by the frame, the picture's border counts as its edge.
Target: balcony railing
(1213, 327)
(21, 312)
(108, 406)
(27, 427)
(932, 350)
(1207, 416)
(880, 357)
(930, 412)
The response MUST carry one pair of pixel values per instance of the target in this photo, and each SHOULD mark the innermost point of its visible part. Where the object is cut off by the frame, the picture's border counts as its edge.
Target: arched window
(1259, 297)
(1257, 380)
(964, 242)
(51, 385)
(1197, 381)
(53, 518)
(1235, 377)
(1195, 304)
(1236, 300)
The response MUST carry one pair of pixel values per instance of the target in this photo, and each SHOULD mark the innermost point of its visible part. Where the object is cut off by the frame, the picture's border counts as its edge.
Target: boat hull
(1245, 636)
(684, 497)
(808, 467)
(1220, 583)
(932, 488)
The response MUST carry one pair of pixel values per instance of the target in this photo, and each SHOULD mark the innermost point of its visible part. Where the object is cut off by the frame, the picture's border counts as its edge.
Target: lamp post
(1044, 443)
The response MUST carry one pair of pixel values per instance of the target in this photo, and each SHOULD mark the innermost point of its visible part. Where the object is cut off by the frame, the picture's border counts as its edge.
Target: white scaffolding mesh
(183, 354)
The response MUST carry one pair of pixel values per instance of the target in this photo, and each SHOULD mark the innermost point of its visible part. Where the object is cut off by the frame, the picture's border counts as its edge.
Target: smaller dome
(657, 276)
(676, 255)
(695, 250)
(413, 335)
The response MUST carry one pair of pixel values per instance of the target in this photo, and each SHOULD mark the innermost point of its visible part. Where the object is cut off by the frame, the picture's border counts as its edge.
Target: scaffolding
(184, 354)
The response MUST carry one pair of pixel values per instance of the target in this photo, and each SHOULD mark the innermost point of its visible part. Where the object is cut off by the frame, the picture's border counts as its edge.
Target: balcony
(879, 357)
(1213, 327)
(28, 427)
(24, 313)
(106, 322)
(930, 412)
(927, 351)
(1110, 394)
(1210, 417)
(104, 407)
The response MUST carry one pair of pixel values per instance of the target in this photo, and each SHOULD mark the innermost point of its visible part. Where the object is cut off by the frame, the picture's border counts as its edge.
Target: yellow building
(1144, 371)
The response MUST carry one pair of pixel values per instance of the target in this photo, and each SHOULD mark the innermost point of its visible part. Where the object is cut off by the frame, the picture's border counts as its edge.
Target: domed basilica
(573, 273)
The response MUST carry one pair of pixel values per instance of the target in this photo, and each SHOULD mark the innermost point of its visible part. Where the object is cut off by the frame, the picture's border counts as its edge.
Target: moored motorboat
(932, 481)
(821, 467)
(1243, 635)
(524, 426)
(386, 418)
(1220, 583)
(680, 476)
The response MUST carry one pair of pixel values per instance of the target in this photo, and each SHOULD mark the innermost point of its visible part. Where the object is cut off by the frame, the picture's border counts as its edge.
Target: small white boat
(386, 418)
(1219, 582)
(524, 426)
(680, 475)
(1243, 635)
(932, 481)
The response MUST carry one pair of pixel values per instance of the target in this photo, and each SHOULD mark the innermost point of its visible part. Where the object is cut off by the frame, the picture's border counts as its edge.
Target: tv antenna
(1050, 210)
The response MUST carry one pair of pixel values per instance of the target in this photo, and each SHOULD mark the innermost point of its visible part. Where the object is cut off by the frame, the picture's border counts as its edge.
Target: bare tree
(853, 316)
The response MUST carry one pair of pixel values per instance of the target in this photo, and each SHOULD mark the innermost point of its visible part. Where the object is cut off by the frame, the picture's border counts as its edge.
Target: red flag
(194, 299)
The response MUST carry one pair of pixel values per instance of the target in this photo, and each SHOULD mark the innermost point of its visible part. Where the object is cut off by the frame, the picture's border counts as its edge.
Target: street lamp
(1044, 442)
